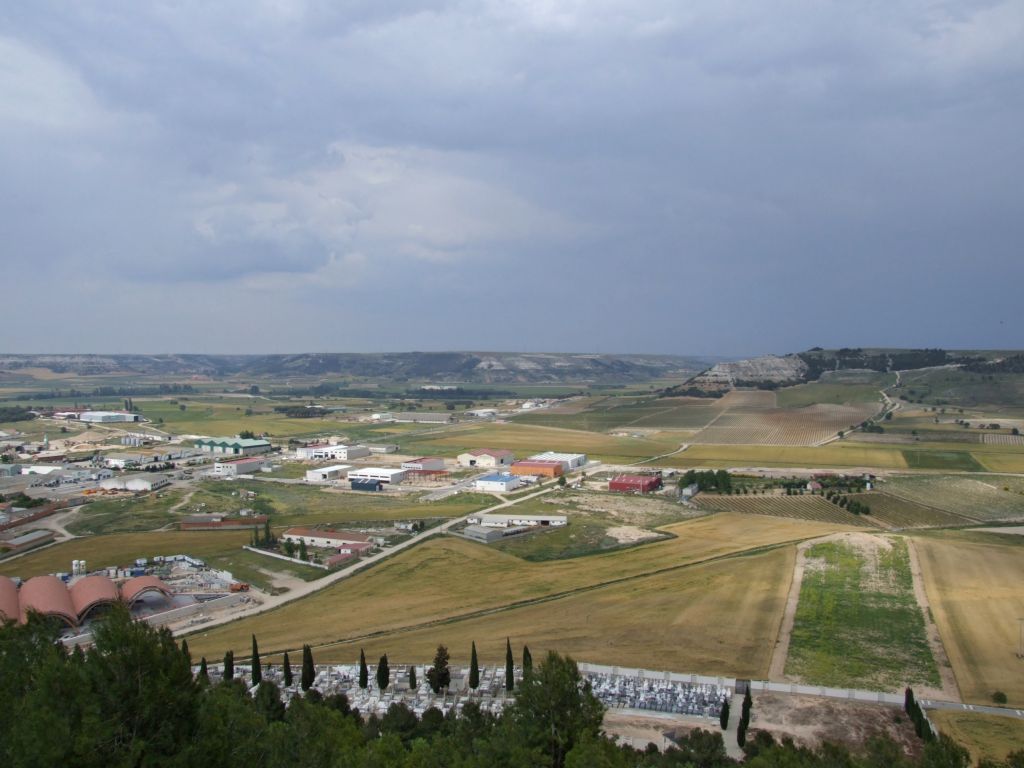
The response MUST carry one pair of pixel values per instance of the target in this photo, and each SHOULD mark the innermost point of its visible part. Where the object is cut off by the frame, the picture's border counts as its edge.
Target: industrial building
(327, 474)
(635, 483)
(107, 417)
(142, 482)
(50, 596)
(491, 520)
(236, 467)
(425, 464)
(321, 451)
(381, 474)
(490, 534)
(233, 446)
(487, 458)
(531, 468)
(382, 448)
(570, 461)
(341, 541)
(366, 485)
(424, 417)
(499, 482)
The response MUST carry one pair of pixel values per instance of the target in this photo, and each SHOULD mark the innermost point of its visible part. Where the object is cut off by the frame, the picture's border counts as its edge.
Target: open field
(859, 389)
(293, 503)
(205, 415)
(262, 571)
(784, 426)
(838, 454)
(447, 577)
(125, 514)
(814, 508)
(714, 618)
(954, 387)
(894, 512)
(1002, 462)
(525, 439)
(598, 522)
(613, 413)
(987, 737)
(975, 584)
(948, 460)
(858, 623)
(980, 498)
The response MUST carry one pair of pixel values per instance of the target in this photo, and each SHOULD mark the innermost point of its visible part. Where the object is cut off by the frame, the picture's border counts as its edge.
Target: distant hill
(452, 367)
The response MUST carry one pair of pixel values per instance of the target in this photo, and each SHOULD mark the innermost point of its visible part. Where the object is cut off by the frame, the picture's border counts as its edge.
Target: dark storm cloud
(716, 177)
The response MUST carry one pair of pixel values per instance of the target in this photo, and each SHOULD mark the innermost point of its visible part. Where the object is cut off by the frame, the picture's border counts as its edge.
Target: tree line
(133, 699)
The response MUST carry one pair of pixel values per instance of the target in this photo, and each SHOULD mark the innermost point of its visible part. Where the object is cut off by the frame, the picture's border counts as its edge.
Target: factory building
(343, 542)
(107, 417)
(492, 520)
(422, 417)
(533, 468)
(425, 464)
(236, 467)
(142, 482)
(381, 474)
(570, 461)
(488, 535)
(233, 446)
(486, 458)
(327, 474)
(635, 483)
(499, 482)
(322, 451)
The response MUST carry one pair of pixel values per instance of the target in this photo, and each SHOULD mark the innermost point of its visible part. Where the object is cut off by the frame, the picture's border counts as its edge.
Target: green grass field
(837, 454)
(834, 392)
(857, 623)
(948, 460)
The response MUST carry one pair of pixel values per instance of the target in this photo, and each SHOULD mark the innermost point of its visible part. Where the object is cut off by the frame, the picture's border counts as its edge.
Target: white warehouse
(570, 461)
(338, 452)
(511, 521)
(499, 482)
(327, 474)
(425, 464)
(239, 467)
(383, 474)
(106, 417)
(488, 458)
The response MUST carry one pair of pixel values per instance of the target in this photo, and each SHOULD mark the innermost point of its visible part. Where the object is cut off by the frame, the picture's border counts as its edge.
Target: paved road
(308, 588)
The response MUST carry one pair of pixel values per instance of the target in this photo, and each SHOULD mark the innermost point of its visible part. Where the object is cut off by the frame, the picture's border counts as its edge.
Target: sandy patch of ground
(811, 720)
(629, 534)
(640, 730)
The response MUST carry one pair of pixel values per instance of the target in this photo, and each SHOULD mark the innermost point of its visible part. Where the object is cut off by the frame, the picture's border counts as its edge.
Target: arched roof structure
(91, 592)
(49, 596)
(134, 589)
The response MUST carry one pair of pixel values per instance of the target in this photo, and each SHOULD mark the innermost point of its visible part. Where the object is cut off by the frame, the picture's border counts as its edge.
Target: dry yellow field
(1001, 462)
(975, 584)
(832, 455)
(720, 618)
(448, 577)
(989, 737)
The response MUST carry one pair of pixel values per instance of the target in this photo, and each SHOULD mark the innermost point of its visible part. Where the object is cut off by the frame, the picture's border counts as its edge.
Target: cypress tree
(908, 700)
(723, 717)
(527, 662)
(474, 669)
(412, 678)
(308, 671)
(287, 670)
(383, 673)
(268, 539)
(510, 672)
(185, 651)
(364, 673)
(257, 670)
(741, 734)
(303, 554)
(229, 665)
(204, 674)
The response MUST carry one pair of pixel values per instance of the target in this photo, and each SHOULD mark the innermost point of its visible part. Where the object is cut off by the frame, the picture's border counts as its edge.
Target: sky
(711, 177)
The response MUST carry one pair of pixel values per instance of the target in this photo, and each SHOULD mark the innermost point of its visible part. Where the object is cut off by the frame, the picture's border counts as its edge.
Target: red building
(635, 483)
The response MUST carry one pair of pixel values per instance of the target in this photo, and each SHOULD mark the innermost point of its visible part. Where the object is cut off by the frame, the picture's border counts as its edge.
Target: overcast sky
(708, 177)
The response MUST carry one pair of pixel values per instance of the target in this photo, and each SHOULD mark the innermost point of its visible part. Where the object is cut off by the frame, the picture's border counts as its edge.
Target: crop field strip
(975, 584)
(894, 512)
(857, 622)
(809, 508)
(836, 454)
(976, 498)
(426, 584)
(803, 426)
(996, 439)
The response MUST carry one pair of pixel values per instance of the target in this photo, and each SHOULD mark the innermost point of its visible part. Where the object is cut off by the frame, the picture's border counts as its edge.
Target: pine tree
(257, 670)
(474, 669)
(412, 678)
(439, 676)
(308, 670)
(383, 673)
(527, 662)
(287, 670)
(723, 717)
(229, 665)
(364, 673)
(204, 673)
(510, 671)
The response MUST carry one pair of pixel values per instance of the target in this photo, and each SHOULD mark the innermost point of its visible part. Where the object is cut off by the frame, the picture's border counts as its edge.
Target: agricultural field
(812, 508)
(794, 426)
(837, 454)
(996, 393)
(836, 391)
(858, 624)
(293, 504)
(1002, 462)
(999, 439)
(598, 522)
(975, 498)
(948, 460)
(123, 515)
(987, 737)
(715, 618)
(975, 584)
(448, 577)
(525, 439)
(227, 416)
(614, 413)
(894, 512)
